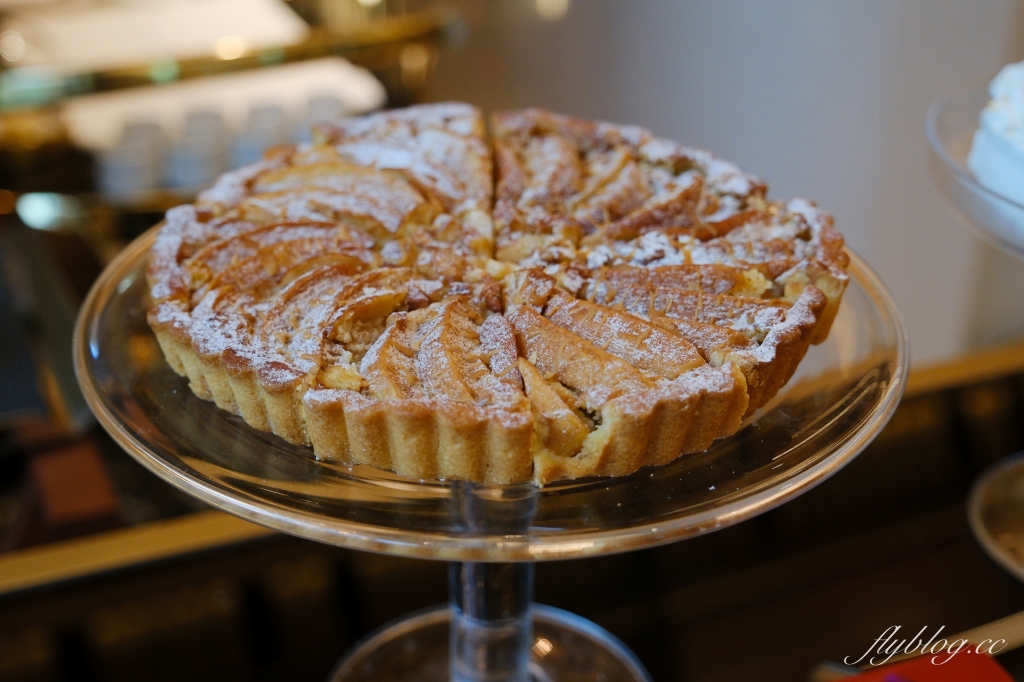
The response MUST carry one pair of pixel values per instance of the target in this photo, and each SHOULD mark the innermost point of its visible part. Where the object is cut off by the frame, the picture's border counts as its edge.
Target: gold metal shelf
(376, 45)
(60, 561)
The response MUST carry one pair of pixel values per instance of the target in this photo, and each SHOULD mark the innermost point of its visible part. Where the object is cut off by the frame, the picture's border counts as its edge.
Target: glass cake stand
(950, 125)
(842, 395)
(995, 507)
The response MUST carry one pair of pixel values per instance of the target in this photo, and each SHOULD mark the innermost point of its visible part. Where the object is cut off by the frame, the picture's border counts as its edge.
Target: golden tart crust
(566, 299)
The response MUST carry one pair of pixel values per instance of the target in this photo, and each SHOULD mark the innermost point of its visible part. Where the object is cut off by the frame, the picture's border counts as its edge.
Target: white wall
(822, 98)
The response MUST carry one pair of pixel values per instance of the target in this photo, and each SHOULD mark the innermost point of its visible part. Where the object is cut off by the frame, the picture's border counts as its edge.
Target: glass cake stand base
(565, 648)
(491, 632)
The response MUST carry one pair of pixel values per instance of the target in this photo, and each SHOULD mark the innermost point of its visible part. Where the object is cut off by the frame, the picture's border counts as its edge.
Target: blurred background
(112, 111)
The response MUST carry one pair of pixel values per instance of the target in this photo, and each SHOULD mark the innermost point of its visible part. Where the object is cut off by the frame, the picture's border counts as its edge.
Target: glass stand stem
(491, 627)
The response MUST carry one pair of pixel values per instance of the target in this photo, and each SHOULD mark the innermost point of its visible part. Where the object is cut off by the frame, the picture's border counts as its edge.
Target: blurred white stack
(266, 126)
(135, 163)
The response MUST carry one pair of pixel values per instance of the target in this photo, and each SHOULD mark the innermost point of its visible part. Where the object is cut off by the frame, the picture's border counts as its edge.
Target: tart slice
(764, 337)
(623, 390)
(560, 178)
(442, 400)
(789, 247)
(439, 147)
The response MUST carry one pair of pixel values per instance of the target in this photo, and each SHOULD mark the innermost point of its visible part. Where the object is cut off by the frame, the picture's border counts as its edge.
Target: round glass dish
(842, 395)
(995, 511)
(950, 125)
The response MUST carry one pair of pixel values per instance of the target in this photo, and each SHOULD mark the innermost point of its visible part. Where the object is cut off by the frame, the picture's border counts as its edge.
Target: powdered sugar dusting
(363, 271)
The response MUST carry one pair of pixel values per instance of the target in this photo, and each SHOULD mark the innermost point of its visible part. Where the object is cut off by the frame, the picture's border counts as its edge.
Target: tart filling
(610, 300)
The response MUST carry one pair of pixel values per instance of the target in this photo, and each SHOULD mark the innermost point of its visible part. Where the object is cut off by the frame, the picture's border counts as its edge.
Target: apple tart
(562, 299)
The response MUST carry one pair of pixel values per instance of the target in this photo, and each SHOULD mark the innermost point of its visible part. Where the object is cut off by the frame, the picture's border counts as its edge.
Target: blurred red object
(68, 493)
(963, 667)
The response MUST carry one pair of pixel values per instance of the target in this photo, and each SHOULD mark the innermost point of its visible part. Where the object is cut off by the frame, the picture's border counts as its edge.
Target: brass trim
(969, 369)
(36, 566)
(361, 45)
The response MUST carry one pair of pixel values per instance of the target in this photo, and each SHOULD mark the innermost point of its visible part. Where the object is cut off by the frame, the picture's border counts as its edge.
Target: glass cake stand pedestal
(995, 506)
(842, 395)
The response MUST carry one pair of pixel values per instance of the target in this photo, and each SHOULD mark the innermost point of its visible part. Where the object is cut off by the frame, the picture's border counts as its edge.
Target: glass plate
(950, 124)
(842, 395)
